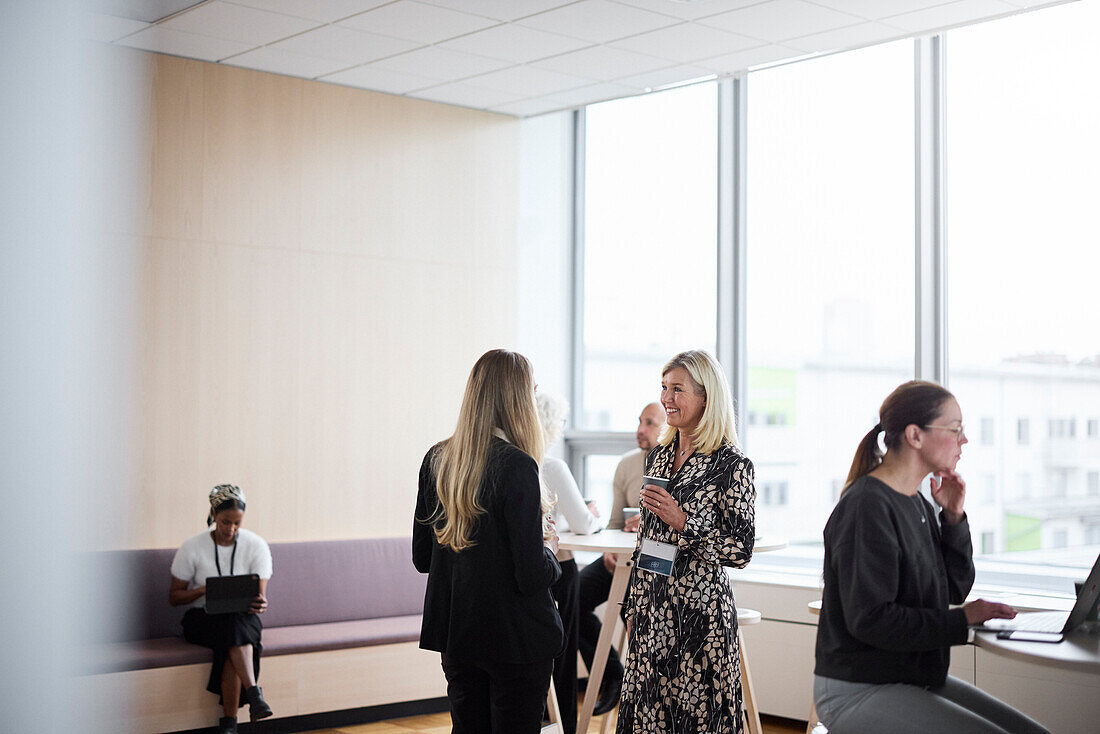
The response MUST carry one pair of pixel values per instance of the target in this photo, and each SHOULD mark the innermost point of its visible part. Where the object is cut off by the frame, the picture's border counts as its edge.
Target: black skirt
(220, 632)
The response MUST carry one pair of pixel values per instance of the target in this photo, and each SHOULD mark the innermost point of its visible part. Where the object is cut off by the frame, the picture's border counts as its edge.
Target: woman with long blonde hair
(683, 673)
(483, 535)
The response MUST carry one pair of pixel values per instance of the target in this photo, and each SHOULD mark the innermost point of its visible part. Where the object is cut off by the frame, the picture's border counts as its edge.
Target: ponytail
(916, 402)
(867, 457)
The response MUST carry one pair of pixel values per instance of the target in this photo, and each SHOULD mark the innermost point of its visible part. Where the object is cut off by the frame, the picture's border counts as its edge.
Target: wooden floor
(441, 724)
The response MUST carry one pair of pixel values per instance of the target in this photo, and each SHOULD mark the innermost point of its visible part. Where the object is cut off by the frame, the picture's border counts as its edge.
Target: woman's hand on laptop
(980, 610)
(259, 605)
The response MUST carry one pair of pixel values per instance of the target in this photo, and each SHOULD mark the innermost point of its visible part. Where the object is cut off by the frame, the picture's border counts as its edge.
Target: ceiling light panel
(345, 44)
(323, 11)
(237, 23)
(597, 20)
(515, 43)
(686, 42)
(418, 22)
(781, 19)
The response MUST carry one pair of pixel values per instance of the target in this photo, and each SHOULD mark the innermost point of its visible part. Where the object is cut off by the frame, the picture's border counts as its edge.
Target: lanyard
(232, 558)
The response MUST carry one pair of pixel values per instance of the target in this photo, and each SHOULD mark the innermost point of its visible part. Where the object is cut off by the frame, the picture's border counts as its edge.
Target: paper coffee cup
(659, 481)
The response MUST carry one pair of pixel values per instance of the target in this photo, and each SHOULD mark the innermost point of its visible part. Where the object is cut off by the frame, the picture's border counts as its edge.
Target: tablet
(225, 594)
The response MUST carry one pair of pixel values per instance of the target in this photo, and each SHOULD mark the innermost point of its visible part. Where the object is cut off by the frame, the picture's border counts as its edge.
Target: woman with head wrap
(225, 548)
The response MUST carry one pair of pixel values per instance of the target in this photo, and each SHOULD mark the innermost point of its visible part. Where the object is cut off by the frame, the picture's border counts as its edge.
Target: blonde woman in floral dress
(683, 675)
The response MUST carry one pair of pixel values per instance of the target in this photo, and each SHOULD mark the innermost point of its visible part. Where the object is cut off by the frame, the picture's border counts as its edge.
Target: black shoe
(257, 706)
(609, 695)
(227, 725)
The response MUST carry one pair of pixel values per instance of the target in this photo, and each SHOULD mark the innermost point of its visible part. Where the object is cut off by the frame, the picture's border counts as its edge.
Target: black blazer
(492, 601)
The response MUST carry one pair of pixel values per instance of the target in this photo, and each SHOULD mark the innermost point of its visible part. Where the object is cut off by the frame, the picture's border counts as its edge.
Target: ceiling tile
(742, 60)
(500, 9)
(415, 21)
(325, 11)
(280, 61)
(863, 34)
(664, 77)
(687, 42)
(190, 45)
(528, 107)
(528, 81)
(689, 10)
(593, 93)
(465, 95)
(597, 20)
(875, 9)
(514, 43)
(380, 80)
(941, 16)
(781, 19)
(602, 62)
(103, 27)
(237, 23)
(345, 44)
(441, 63)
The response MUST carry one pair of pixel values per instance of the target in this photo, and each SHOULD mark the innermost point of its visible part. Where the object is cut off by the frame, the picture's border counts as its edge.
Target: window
(1093, 484)
(989, 489)
(988, 542)
(649, 242)
(1094, 428)
(987, 432)
(830, 240)
(1021, 138)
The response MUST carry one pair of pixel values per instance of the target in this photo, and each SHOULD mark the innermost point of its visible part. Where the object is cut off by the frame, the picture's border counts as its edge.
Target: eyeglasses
(959, 431)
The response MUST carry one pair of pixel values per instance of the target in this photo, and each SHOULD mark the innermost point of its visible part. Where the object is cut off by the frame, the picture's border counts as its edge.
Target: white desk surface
(1079, 651)
(620, 541)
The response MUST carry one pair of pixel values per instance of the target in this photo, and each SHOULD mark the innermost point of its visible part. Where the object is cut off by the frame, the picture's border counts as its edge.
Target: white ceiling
(528, 57)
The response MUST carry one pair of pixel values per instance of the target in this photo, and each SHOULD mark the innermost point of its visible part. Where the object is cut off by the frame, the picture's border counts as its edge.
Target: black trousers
(594, 584)
(565, 664)
(220, 632)
(496, 698)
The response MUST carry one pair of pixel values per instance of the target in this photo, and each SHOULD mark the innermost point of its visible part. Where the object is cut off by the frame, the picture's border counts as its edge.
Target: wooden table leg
(619, 581)
(748, 695)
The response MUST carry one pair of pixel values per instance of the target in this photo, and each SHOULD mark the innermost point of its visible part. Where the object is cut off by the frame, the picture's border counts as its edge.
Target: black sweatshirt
(889, 577)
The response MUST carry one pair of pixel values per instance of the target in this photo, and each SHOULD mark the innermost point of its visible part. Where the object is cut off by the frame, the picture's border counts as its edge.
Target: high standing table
(621, 543)
(1080, 650)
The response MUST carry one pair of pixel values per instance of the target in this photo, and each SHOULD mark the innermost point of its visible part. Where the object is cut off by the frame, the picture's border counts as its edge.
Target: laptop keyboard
(1038, 622)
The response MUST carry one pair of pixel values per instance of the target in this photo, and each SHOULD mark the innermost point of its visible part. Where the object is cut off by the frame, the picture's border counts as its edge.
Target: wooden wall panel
(322, 267)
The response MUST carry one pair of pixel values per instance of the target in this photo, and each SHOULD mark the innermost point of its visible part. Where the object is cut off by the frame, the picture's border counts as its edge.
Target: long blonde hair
(718, 424)
(500, 394)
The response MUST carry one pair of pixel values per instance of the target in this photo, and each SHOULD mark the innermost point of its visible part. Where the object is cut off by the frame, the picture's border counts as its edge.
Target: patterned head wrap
(223, 493)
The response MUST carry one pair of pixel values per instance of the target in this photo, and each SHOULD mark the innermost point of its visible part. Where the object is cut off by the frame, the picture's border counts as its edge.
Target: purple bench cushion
(341, 580)
(169, 651)
(341, 635)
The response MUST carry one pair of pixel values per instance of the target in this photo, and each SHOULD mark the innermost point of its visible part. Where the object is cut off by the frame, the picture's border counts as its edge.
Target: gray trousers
(899, 708)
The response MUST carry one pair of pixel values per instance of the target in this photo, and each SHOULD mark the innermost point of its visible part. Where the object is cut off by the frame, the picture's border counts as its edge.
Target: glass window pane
(1024, 327)
(650, 245)
(830, 271)
(599, 474)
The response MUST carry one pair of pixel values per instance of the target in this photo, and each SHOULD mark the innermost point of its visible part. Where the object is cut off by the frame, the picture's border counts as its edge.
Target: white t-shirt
(194, 561)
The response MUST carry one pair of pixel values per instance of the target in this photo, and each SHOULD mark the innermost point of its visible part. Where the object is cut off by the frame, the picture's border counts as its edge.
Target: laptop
(225, 594)
(1051, 626)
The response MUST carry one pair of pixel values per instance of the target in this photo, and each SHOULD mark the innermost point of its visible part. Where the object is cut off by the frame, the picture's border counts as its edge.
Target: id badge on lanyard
(656, 557)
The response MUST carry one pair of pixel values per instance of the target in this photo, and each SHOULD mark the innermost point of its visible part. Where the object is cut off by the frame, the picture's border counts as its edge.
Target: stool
(813, 726)
(752, 714)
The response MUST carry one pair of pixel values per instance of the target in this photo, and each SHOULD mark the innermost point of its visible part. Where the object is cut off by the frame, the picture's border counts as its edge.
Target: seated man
(595, 579)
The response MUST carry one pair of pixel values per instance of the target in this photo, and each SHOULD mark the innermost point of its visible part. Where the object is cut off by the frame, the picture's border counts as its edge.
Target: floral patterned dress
(683, 675)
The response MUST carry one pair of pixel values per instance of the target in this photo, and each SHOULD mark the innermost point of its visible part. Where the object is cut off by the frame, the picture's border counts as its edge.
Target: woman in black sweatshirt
(892, 568)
